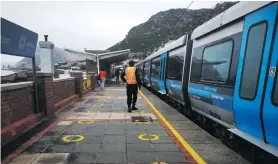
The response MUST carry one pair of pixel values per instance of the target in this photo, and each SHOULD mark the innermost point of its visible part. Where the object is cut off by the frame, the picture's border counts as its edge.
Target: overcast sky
(91, 24)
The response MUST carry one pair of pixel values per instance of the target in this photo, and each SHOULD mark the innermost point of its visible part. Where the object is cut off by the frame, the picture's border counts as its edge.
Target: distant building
(7, 76)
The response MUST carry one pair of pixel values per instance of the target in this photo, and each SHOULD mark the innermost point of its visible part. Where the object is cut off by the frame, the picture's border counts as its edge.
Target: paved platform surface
(97, 129)
(210, 149)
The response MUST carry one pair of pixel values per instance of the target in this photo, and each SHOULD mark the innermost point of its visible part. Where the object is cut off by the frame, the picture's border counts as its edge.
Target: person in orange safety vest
(132, 78)
(102, 77)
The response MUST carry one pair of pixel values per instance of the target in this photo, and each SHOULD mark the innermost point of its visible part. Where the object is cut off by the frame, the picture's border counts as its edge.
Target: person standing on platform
(117, 73)
(132, 78)
(102, 77)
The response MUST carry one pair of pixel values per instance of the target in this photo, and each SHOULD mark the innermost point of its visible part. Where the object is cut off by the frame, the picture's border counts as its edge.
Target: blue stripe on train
(219, 100)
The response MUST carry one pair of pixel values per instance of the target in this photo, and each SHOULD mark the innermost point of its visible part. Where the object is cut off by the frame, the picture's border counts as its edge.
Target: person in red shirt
(102, 77)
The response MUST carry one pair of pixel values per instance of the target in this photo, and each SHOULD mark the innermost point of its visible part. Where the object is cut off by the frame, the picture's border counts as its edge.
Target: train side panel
(174, 74)
(212, 75)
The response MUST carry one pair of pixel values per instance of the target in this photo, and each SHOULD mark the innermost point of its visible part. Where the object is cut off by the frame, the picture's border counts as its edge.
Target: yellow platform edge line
(196, 156)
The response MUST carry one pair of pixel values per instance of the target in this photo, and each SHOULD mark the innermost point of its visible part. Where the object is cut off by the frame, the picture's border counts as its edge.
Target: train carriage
(233, 69)
(226, 71)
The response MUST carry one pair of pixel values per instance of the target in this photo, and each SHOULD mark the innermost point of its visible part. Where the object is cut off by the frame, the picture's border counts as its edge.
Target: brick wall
(63, 89)
(16, 102)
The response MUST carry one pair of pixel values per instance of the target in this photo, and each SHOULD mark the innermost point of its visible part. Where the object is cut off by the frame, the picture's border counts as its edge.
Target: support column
(97, 65)
(46, 97)
(47, 56)
(78, 82)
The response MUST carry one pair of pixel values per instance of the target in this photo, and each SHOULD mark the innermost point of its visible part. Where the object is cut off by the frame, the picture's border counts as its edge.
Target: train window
(275, 90)
(146, 69)
(252, 61)
(175, 64)
(156, 67)
(141, 67)
(196, 65)
(216, 62)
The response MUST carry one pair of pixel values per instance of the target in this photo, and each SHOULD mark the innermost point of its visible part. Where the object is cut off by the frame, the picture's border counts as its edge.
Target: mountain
(166, 26)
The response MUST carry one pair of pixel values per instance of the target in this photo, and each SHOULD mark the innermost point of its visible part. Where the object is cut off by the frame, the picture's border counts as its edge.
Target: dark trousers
(131, 92)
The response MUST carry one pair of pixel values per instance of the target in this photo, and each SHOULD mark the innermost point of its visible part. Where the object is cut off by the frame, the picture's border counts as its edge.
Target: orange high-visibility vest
(130, 75)
(102, 74)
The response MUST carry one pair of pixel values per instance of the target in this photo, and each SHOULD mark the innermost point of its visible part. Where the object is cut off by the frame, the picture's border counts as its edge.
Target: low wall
(63, 88)
(16, 102)
(17, 110)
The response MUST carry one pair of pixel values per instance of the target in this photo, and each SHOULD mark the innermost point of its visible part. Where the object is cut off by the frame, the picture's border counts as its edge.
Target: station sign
(17, 40)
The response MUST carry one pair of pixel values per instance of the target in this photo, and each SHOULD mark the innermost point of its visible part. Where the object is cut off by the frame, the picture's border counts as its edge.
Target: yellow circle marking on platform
(66, 138)
(139, 122)
(86, 121)
(154, 137)
(159, 163)
(93, 111)
(101, 105)
(139, 111)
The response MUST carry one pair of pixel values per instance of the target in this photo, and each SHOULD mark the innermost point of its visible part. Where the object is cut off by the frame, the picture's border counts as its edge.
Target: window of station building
(275, 90)
(216, 62)
(175, 64)
(156, 67)
(252, 61)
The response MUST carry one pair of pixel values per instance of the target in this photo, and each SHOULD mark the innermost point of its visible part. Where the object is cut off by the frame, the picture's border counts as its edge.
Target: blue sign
(16, 40)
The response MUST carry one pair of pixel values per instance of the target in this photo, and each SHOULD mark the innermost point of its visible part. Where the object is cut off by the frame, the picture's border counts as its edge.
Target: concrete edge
(63, 79)
(13, 86)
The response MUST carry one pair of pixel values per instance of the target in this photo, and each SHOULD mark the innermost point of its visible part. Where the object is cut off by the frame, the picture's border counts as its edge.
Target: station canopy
(104, 56)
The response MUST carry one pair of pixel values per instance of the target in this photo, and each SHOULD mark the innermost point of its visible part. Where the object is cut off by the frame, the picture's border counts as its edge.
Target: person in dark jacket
(132, 78)
(117, 74)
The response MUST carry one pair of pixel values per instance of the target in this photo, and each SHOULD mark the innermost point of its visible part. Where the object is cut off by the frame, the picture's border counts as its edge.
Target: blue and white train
(225, 71)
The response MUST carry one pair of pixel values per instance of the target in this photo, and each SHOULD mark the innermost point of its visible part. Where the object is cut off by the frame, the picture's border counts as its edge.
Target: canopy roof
(107, 57)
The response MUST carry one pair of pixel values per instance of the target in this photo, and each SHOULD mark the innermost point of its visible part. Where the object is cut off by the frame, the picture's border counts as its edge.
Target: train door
(155, 72)
(254, 111)
(162, 74)
(270, 105)
(146, 78)
(175, 65)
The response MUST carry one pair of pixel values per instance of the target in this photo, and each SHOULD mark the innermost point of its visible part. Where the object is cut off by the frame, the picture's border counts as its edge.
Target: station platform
(98, 129)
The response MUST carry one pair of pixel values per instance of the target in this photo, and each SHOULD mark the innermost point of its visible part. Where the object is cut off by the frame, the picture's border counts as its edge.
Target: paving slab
(24, 158)
(165, 147)
(137, 147)
(111, 157)
(170, 157)
(89, 148)
(47, 158)
(76, 158)
(113, 147)
(141, 157)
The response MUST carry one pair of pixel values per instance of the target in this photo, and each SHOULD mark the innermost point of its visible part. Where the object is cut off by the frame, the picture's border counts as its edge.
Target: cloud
(90, 24)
